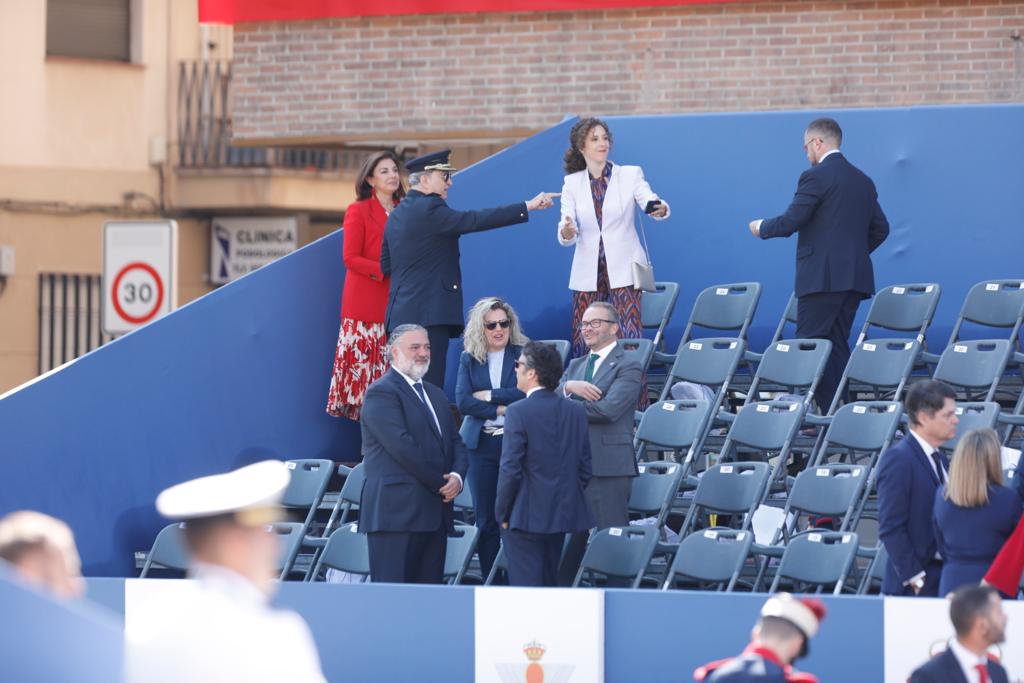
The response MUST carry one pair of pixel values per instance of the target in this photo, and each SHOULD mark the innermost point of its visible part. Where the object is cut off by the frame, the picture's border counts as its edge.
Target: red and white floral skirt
(360, 360)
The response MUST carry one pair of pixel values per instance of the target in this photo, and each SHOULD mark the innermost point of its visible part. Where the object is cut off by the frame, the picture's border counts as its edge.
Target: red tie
(982, 673)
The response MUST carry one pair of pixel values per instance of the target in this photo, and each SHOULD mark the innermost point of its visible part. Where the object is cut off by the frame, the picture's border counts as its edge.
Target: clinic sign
(140, 263)
(239, 246)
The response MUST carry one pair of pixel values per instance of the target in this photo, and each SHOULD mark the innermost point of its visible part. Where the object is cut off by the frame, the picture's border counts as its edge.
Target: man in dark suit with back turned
(839, 221)
(980, 622)
(545, 466)
(414, 462)
(421, 253)
(909, 473)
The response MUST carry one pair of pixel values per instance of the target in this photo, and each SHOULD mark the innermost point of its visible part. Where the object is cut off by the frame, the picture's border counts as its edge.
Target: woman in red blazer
(362, 357)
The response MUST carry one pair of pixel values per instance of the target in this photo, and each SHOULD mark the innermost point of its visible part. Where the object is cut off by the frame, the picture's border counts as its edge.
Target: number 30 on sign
(139, 269)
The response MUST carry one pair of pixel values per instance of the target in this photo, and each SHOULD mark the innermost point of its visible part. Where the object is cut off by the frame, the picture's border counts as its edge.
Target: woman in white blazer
(599, 201)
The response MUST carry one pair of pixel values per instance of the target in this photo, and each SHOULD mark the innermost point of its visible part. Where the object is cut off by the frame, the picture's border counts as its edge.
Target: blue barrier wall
(242, 373)
(426, 633)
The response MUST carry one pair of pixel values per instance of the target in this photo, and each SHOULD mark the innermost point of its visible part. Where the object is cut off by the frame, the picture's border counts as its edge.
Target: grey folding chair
(733, 489)
(562, 346)
(816, 559)
(290, 535)
(499, 570)
(794, 365)
(763, 431)
(831, 490)
(727, 308)
(788, 319)
(168, 552)
(711, 559)
(653, 490)
(858, 434)
(974, 367)
(305, 490)
(880, 367)
(974, 415)
(347, 500)
(711, 362)
(902, 308)
(347, 550)
(640, 349)
(675, 426)
(874, 573)
(618, 553)
(656, 310)
(461, 546)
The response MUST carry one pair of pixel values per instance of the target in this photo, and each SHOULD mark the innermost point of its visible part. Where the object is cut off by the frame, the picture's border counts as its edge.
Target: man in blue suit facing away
(908, 476)
(545, 466)
(839, 221)
(414, 461)
(980, 622)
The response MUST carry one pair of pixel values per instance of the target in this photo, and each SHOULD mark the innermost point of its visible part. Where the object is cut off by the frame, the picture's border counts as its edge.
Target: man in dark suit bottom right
(980, 622)
(835, 211)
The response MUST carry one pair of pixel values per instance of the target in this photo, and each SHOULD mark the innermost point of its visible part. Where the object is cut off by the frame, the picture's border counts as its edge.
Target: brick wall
(492, 75)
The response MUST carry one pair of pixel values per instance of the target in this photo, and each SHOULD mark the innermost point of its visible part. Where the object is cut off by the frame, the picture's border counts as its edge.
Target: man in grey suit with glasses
(608, 382)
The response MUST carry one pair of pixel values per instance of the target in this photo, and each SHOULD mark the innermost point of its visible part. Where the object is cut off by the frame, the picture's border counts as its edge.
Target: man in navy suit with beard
(980, 622)
(909, 473)
(545, 467)
(414, 461)
(839, 221)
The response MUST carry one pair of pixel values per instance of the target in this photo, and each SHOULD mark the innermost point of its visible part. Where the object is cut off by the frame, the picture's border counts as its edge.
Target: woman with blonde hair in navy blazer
(485, 386)
(974, 513)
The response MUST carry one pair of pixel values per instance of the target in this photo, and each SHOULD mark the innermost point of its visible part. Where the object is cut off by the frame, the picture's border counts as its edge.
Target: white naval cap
(251, 493)
(806, 614)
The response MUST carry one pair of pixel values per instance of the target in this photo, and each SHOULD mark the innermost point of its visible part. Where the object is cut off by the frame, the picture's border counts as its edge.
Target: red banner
(242, 11)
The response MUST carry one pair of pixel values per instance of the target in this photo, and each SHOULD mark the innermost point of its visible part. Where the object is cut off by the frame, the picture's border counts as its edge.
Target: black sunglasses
(503, 323)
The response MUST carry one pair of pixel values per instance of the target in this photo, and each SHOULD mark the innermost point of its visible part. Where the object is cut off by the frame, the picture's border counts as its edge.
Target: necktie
(938, 467)
(418, 386)
(982, 673)
(588, 375)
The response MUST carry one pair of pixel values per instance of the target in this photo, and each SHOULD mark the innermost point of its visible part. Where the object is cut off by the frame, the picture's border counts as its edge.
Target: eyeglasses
(503, 323)
(594, 324)
(522, 364)
(446, 176)
(806, 144)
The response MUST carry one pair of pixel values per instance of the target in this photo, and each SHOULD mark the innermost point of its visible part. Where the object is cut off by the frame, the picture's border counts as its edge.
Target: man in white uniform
(220, 627)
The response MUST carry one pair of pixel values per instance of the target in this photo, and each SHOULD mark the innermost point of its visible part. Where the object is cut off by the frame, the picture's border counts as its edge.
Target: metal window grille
(70, 306)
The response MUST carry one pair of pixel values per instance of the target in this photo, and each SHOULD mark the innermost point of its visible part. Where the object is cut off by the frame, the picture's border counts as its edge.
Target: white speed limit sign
(139, 265)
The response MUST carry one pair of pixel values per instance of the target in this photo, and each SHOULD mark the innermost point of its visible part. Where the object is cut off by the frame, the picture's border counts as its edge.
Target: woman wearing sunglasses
(486, 384)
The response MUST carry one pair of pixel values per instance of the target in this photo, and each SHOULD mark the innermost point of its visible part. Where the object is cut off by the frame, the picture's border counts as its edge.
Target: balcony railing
(204, 129)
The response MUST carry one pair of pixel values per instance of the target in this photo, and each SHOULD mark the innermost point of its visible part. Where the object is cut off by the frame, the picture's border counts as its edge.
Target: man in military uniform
(780, 637)
(220, 627)
(421, 253)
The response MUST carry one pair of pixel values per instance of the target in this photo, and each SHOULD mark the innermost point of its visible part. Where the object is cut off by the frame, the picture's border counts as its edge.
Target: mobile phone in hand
(652, 206)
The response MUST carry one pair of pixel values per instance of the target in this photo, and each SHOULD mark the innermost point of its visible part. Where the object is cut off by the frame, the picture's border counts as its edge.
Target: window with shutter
(90, 29)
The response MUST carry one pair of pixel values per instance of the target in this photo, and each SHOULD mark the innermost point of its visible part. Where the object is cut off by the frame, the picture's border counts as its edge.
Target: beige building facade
(87, 137)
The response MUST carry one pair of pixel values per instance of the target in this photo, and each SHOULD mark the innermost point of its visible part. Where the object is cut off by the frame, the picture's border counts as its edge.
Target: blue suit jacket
(476, 376)
(840, 222)
(944, 668)
(421, 254)
(405, 459)
(906, 498)
(970, 538)
(545, 465)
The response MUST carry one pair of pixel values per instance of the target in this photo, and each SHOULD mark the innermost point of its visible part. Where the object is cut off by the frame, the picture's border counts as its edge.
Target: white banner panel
(526, 635)
(916, 628)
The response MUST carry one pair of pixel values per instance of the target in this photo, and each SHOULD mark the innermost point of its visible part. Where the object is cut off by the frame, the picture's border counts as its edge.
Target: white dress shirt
(968, 661)
(928, 450)
(495, 364)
